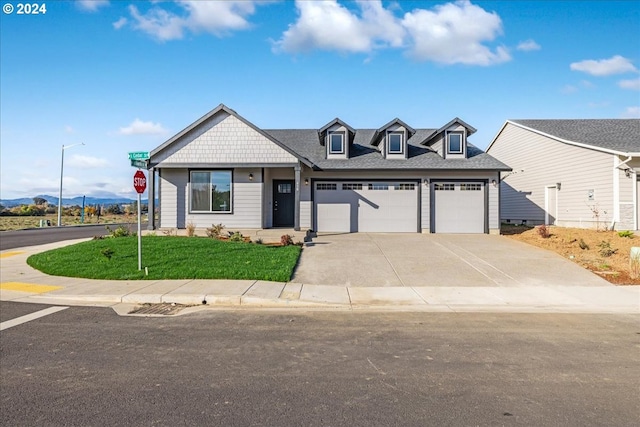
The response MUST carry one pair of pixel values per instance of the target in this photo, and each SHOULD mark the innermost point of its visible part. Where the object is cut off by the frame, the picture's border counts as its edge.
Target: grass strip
(169, 258)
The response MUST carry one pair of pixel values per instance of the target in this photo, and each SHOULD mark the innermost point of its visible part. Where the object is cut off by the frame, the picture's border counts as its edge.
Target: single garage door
(366, 206)
(459, 207)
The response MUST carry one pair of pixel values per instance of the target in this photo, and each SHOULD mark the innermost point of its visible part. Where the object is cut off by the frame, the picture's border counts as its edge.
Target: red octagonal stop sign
(139, 182)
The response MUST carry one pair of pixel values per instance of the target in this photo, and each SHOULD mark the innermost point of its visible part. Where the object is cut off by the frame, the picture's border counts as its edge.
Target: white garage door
(459, 207)
(366, 206)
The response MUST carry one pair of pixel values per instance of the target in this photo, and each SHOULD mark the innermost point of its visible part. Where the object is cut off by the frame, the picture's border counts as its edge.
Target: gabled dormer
(391, 139)
(337, 137)
(450, 141)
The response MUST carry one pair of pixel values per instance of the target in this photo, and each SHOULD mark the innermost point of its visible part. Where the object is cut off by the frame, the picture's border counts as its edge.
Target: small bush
(191, 229)
(628, 234)
(286, 240)
(258, 241)
(215, 231)
(583, 245)
(543, 231)
(121, 231)
(236, 237)
(605, 249)
(169, 232)
(107, 252)
(97, 238)
(634, 266)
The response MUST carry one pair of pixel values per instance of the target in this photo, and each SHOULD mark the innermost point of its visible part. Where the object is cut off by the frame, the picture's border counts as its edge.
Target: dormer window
(454, 143)
(336, 143)
(395, 140)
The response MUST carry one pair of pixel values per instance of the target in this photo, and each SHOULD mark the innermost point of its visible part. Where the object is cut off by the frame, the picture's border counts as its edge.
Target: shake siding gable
(224, 139)
(539, 161)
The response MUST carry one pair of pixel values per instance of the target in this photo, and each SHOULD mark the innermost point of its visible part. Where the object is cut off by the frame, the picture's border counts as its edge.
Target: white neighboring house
(224, 169)
(572, 173)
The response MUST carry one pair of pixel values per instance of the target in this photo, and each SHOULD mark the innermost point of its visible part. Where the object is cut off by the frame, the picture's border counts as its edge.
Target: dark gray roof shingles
(622, 135)
(365, 156)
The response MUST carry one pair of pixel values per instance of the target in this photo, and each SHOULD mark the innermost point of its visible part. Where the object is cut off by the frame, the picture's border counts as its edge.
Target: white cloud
(215, 17)
(604, 67)
(450, 33)
(568, 89)
(86, 162)
(69, 129)
(528, 45)
(328, 25)
(91, 5)
(138, 127)
(120, 23)
(632, 84)
(453, 33)
(631, 113)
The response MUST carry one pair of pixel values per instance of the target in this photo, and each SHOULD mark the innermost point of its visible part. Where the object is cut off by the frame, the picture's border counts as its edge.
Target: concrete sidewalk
(21, 283)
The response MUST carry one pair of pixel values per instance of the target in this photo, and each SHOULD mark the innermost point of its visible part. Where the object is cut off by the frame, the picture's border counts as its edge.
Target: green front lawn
(169, 258)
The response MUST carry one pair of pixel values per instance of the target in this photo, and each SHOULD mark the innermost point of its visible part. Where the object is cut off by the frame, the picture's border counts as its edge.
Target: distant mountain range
(7, 203)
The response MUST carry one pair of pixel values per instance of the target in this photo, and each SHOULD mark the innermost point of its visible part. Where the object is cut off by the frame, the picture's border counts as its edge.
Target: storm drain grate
(162, 309)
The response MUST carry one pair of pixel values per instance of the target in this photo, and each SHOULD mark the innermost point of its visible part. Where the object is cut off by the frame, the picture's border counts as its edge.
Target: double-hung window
(211, 191)
(454, 143)
(395, 142)
(336, 143)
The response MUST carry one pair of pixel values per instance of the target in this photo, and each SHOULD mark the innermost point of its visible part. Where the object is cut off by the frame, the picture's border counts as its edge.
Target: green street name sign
(139, 155)
(141, 164)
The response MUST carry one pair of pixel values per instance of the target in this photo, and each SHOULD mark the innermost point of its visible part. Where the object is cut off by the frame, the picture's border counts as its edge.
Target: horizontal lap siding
(170, 181)
(247, 204)
(546, 162)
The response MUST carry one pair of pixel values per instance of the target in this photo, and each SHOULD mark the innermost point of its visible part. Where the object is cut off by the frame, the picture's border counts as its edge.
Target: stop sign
(139, 182)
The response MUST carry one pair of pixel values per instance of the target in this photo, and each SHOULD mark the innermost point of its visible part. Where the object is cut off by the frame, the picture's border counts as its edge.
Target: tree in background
(39, 201)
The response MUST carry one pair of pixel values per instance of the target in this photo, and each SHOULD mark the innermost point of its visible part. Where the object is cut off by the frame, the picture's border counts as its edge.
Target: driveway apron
(445, 260)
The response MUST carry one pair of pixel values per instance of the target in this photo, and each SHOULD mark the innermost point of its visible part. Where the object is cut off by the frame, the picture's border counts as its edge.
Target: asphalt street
(41, 236)
(88, 366)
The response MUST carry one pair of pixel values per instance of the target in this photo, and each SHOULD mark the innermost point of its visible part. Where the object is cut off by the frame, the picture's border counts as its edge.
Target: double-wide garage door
(459, 207)
(366, 206)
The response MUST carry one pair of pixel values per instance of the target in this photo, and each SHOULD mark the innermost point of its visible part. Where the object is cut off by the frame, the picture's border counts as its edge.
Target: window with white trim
(470, 187)
(395, 143)
(352, 186)
(378, 186)
(454, 142)
(325, 186)
(336, 143)
(404, 187)
(210, 191)
(444, 187)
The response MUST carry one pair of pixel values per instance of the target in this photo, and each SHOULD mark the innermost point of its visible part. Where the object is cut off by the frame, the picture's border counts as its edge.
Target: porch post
(151, 194)
(296, 211)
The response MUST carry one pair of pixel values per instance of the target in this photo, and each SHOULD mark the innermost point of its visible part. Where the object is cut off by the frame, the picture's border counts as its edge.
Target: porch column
(296, 209)
(151, 194)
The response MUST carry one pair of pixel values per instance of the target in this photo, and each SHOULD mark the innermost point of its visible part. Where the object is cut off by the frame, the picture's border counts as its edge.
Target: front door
(283, 203)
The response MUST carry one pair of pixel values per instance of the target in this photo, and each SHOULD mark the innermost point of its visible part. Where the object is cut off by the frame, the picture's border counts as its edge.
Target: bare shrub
(543, 231)
(286, 239)
(191, 229)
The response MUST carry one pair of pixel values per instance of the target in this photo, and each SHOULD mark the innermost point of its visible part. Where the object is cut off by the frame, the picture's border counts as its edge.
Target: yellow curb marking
(8, 254)
(27, 287)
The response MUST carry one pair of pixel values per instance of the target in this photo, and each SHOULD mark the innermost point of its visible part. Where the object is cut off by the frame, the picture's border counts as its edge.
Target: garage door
(459, 207)
(366, 206)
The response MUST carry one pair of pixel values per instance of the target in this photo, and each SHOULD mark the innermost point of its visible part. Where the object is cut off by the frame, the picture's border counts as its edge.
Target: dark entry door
(283, 203)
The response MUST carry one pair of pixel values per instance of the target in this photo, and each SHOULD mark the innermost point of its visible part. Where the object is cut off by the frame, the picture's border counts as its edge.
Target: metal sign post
(140, 184)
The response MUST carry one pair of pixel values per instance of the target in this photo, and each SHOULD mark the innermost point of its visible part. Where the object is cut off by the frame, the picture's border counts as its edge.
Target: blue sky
(123, 76)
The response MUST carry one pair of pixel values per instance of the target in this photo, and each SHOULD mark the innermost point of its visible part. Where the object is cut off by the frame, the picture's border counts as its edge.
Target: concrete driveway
(378, 259)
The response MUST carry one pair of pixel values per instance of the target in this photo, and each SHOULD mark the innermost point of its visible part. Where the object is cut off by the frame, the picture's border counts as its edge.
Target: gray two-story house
(394, 178)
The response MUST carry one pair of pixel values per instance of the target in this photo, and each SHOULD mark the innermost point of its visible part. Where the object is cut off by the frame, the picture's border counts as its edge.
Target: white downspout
(616, 189)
